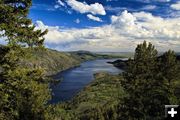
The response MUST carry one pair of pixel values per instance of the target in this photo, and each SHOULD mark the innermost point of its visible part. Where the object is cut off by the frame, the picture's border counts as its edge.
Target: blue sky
(108, 25)
(45, 10)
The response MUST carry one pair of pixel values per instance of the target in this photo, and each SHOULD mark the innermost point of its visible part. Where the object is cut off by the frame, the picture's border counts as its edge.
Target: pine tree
(24, 91)
(169, 66)
(146, 84)
(169, 70)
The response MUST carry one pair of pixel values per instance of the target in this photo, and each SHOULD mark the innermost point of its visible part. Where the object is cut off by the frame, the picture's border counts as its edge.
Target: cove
(75, 79)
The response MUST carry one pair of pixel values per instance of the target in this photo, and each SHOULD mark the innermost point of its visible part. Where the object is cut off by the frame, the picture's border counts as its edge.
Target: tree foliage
(23, 91)
(148, 82)
(15, 25)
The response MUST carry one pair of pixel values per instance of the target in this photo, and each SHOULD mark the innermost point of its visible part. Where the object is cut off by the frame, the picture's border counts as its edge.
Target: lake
(75, 79)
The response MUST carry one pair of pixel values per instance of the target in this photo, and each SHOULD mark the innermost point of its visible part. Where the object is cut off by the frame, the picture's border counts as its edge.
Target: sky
(108, 25)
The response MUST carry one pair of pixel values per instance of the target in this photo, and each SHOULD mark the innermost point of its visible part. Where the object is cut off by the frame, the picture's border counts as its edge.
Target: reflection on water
(76, 79)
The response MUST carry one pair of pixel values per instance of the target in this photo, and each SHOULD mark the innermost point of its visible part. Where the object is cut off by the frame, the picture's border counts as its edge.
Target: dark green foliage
(168, 66)
(148, 81)
(23, 91)
(121, 64)
(26, 94)
(15, 24)
(170, 69)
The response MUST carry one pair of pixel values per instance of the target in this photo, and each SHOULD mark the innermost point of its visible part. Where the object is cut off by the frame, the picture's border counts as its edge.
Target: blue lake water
(75, 79)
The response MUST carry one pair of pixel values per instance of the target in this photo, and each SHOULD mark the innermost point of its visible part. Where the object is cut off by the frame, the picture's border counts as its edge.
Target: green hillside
(86, 55)
(55, 61)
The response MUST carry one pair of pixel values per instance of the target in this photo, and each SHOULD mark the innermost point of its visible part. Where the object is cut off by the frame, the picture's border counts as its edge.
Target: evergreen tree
(146, 85)
(169, 66)
(23, 91)
(169, 70)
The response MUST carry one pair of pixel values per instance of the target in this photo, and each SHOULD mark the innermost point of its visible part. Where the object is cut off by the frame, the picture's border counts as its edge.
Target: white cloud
(125, 19)
(176, 6)
(95, 8)
(77, 21)
(94, 18)
(123, 34)
(61, 3)
(149, 7)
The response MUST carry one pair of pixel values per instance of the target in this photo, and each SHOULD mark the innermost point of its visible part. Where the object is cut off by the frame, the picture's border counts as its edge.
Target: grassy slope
(54, 61)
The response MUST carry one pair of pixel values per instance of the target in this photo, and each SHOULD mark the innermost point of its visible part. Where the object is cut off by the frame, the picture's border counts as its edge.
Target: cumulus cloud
(123, 34)
(94, 18)
(95, 8)
(176, 6)
(125, 19)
